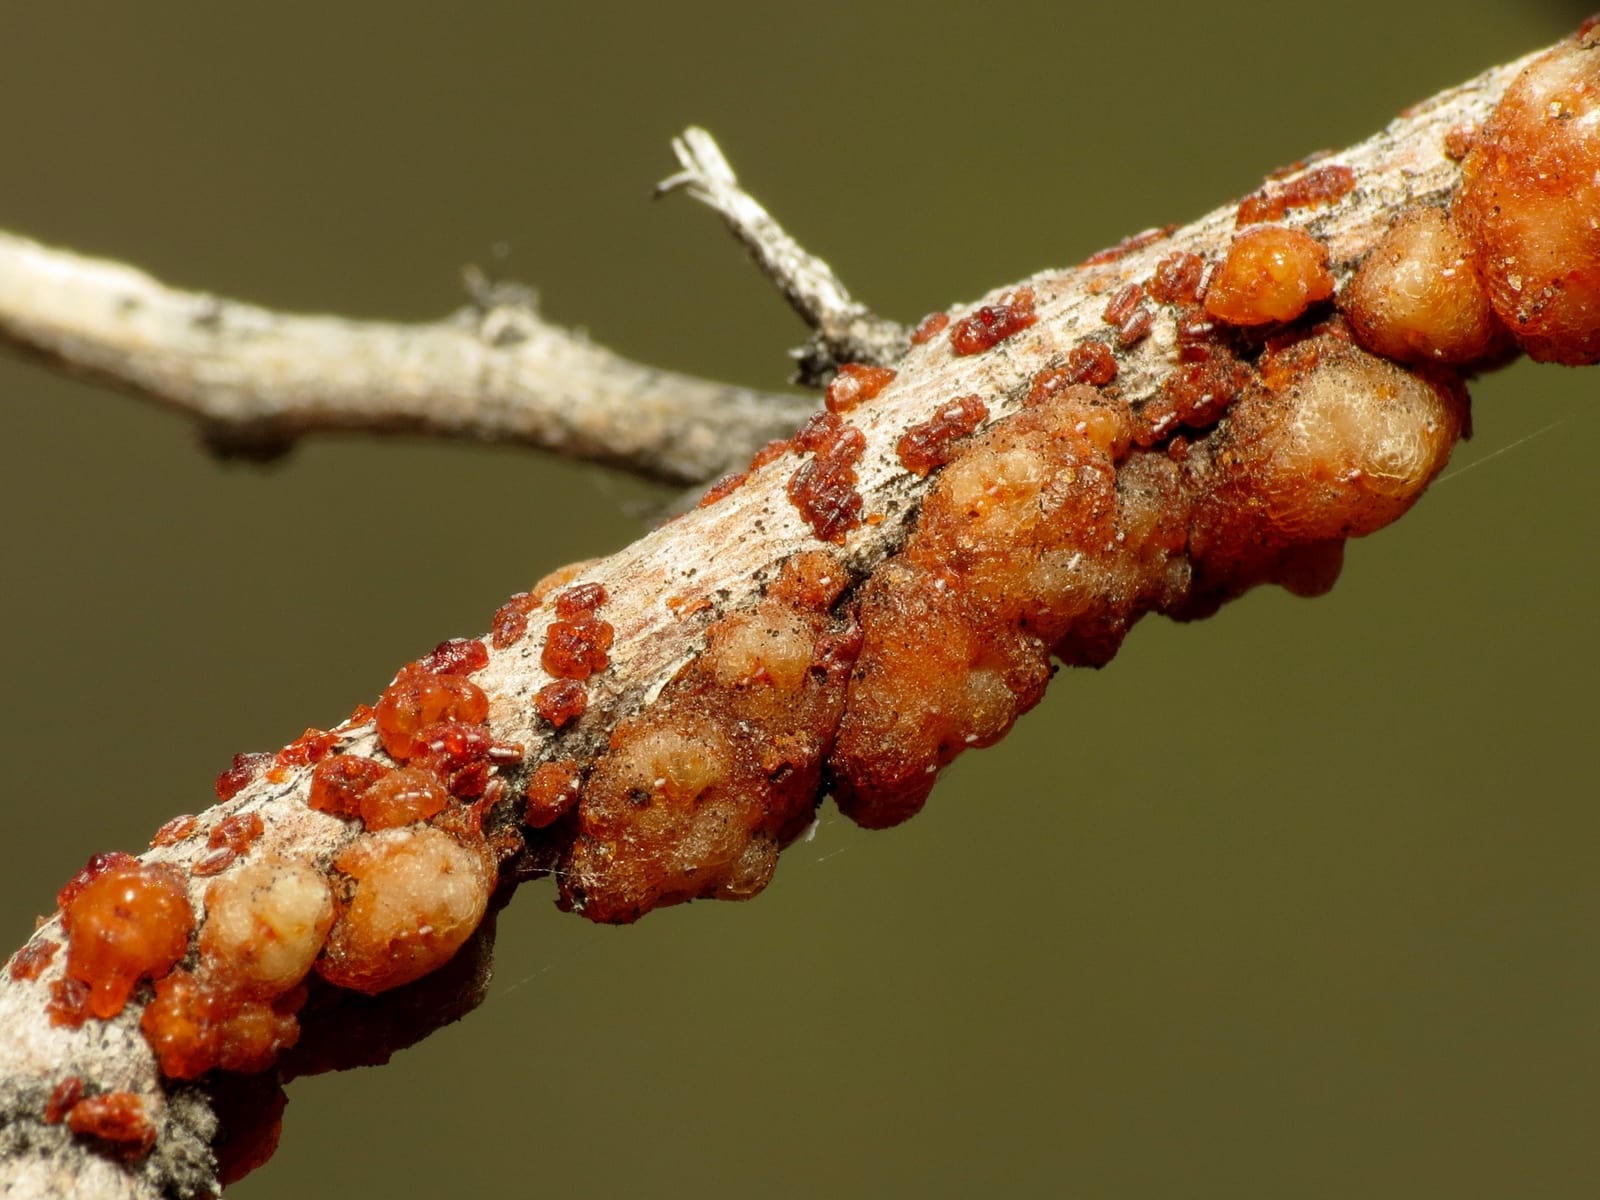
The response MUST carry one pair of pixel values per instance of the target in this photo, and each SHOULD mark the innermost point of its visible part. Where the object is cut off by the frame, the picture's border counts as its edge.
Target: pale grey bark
(257, 380)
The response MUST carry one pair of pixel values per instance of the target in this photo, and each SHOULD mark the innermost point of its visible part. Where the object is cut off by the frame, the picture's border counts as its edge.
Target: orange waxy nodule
(194, 1025)
(417, 895)
(265, 925)
(417, 699)
(129, 923)
(577, 648)
(1530, 202)
(337, 783)
(561, 702)
(1417, 295)
(1271, 273)
(553, 789)
(403, 797)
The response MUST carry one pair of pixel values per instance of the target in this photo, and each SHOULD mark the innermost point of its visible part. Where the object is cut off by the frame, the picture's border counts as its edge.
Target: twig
(845, 330)
(258, 380)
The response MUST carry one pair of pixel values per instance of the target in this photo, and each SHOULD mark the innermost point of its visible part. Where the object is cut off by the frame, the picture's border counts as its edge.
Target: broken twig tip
(706, 172)
(844, 328)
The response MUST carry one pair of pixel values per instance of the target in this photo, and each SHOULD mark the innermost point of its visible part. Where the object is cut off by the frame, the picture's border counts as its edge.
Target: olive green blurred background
(1297, 902)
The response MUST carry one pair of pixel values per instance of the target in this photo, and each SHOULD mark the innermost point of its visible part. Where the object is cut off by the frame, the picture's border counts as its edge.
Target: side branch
(257, 380)
(845, 330)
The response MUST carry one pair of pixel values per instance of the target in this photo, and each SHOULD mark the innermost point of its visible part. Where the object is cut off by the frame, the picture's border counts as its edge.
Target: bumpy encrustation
(1175, 421)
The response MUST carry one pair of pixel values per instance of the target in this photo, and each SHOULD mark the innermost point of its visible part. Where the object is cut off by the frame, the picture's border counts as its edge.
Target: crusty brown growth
(1316, 187)
(928, 444)
(62, 1098)
(1339, 444)
(561, 702)
(1272, 273)
(823, 488)
(991, 324)
(229, 838)
(1048, 534)
(856, 383)
(552, 792)
(1222, 432)
(1176, 279)
(928, 684)
(1530, 201)
(930, 327)
(1128, 245)
(697, 795)
(195, 1025)
(810, 582)
(958, 628)
(32, 959)
(118, 1119)
(1418, 297)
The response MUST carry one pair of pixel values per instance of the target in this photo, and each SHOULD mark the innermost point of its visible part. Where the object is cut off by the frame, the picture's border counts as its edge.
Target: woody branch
(830, 555)
(256, 380)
